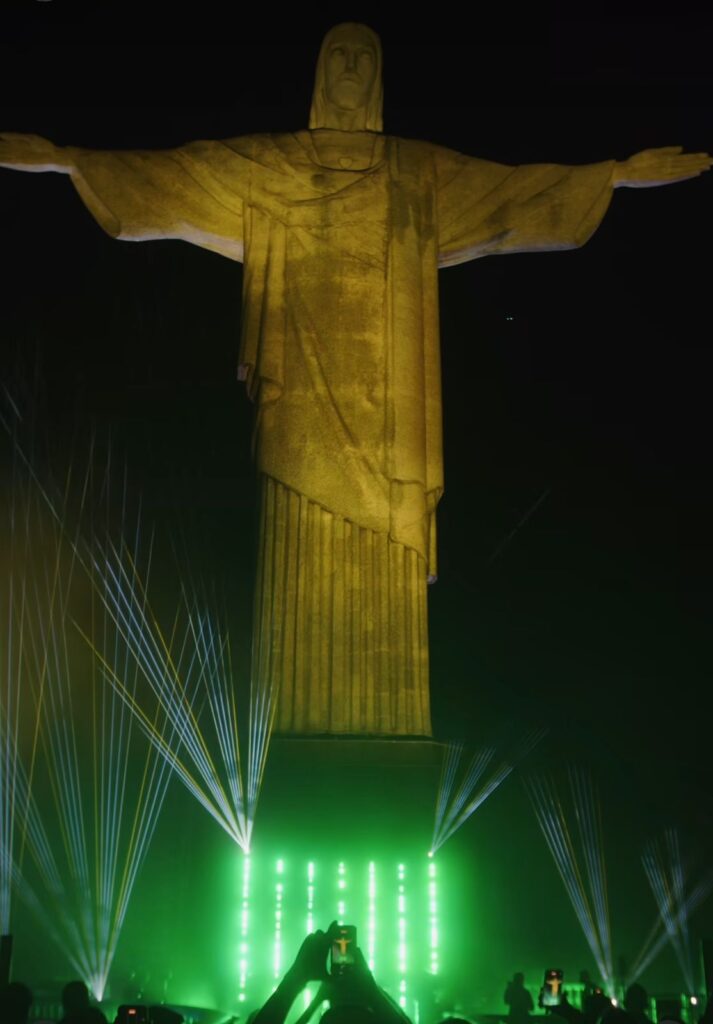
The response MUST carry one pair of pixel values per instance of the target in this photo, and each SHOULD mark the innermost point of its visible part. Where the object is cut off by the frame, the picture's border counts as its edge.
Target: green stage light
(433, 917)
(341, 885)
(396, 907)
(279, 892)
(401, 905)
(310, 897)
(244, 923)
(371, 938)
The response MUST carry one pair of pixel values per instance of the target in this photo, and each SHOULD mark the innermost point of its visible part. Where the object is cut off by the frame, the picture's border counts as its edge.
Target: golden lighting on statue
(342, 230)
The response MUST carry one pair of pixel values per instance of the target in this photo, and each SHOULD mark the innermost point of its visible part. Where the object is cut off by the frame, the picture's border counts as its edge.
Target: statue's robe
(340, 352)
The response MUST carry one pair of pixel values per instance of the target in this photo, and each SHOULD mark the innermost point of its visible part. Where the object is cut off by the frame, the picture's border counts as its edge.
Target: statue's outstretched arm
(486, 208)
(194, 193)
(663, 166)
(33, 153)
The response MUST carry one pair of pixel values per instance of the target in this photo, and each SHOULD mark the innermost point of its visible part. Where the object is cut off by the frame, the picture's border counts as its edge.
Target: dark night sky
(583, 376)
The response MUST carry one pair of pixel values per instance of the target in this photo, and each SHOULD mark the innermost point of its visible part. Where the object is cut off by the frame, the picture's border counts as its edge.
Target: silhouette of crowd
(354, 997)
(16, 1002)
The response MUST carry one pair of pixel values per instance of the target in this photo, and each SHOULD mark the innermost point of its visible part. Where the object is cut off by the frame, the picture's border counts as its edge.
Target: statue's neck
(347, 150)
(345, 120)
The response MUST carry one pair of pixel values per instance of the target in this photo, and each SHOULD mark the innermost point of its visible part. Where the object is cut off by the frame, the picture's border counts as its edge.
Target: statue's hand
(33, 153)
(663, 166)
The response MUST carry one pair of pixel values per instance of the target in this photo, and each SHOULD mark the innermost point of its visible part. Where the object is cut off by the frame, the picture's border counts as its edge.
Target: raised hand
(311, 960)
(664, 166)
(33, 153)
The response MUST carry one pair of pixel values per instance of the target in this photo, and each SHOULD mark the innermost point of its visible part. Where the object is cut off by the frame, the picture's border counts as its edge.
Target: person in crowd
(76, 1008)
(707, 1016)
(636, 1003)
(588, 986)
(75, 1000)
(15, 1002)
(518, 999)
(596, 1006)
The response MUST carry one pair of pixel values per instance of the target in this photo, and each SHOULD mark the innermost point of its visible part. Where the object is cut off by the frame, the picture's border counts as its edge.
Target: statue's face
(350, 68)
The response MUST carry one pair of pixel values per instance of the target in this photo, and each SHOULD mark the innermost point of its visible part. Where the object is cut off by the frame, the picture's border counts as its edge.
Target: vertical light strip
(244, 923)
(341, 889)
(279, 892)
(371, 938)
(308, 994)
(402, 935)
(433, 917)
(310, 897)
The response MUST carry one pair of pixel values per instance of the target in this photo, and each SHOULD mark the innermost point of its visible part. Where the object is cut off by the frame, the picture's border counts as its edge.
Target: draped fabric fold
(340, 623)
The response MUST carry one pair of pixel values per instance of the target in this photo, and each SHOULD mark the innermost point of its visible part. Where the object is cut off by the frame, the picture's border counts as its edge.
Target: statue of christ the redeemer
(342, 230)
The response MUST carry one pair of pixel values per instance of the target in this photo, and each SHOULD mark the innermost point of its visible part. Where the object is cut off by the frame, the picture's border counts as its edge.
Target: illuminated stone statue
(342, 230)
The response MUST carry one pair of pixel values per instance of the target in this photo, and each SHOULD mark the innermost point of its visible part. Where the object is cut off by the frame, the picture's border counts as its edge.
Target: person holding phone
(347, 983)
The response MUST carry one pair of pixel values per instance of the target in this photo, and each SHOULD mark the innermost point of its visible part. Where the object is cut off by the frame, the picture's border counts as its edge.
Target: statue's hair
(375, 102)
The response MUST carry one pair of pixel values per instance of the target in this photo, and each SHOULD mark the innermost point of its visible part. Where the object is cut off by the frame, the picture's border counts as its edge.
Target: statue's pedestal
(341, 793)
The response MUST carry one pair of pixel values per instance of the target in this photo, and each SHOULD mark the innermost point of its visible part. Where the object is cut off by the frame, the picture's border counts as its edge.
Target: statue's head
(348, 92)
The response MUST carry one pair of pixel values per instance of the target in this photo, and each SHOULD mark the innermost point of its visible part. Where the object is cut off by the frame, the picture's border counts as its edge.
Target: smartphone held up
(342, 956)
(552, 987)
